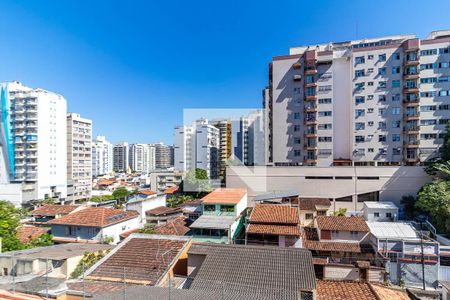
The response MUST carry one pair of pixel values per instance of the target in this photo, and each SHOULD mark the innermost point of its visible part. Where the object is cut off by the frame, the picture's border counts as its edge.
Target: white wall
(117, 229)
(142, 206)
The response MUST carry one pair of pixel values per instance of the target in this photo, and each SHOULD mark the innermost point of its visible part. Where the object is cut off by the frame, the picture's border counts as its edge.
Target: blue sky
(133, 66)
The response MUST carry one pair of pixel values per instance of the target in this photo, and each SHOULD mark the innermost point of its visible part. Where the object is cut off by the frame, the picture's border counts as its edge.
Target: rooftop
(274, 214)
(277, 272)
(344, 290)
(57, 252)
(313, 203)
(342, 223)
(290, 230)
(171, 190)
(225, 196)
(393, 230)
(276, 195)
(213, 222)
(145, 258)
(95, 217)
(53, 210)
(380, 205)
(162, 211)
(26, 233)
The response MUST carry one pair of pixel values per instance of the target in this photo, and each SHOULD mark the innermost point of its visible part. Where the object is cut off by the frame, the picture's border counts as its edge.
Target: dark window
(344, 199)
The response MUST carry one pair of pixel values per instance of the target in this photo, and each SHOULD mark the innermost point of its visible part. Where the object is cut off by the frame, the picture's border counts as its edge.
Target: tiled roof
(53, 210)
(106, 182)
(171, 190)
(292, 230)
(95, 217)
(279, 272)
(311, 203)
(176, 226)
(343, 290)
(147, 192)
(26, 233)
(91, 287)
(162, 211)
(332, 246)
(387, 293)
(225, 196)
(144, 258)
(342, 223)
(274, 214)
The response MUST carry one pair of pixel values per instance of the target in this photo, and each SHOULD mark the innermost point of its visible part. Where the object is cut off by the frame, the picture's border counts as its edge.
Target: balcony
(412, 158)
(411, 89)
(311, 135)
(412, 62)
(411, 130)
(310, 98)
(411, 116)
(410, 76)
(296, 66)
(311, 71)
(311, 121)
(411, 103)
(311, 146)
(311, 84)
(412, 144)
(297, 77)
(310, 108)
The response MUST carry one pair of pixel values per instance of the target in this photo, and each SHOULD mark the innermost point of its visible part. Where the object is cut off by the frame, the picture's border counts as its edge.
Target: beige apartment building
(370, 102)
(79, 157)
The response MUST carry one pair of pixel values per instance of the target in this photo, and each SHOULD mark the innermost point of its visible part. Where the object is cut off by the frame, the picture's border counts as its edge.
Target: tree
(196, 183)
(177, 200)
(121, 194)
(445, 149)
(434, 199)
(148, 229)
(340, 213)
(9, 222)
(88, 260)
(41, 241)
(48, 201)
(409, 206)
(102, 198)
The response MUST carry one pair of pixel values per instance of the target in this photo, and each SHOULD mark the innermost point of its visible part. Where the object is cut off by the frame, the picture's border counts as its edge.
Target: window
(428, 94)
(296, 128)
(395, 83)
(396, 110)
(354, 233)
(370, 83)
(324, 88)
(297, 153)
(396, 97)
(370, 56)
(309, 216)
(376, 214)
(325, 101)
(359, 99)
(396, 56)
(296, 115)
(369, 97)
(444, 93)
(382, 57)
(444, 50)
(381, 138)
(396, 151)
(396, 70)
(388, 215)
(325, 113)
(359, 73)
(359, 60)
(396, 124)
(370, 110)
(381, 71)
(428, 136)
(325, 139)
(209, 207)
(359, 86)
(359, 113)
(370, 150)
(324, 126)
(381, 98)
(370, 123)
(381, 111)
(444, 79)
(428, 122)
(297, 90)
(428, 52)
(360, 126)
(428, 108)
(428, 80)
(382, 125)
(310, 79)
(227, 208)
(444, 107)
(359, 139)
(297, 141)
(382, 84)
(396, 137)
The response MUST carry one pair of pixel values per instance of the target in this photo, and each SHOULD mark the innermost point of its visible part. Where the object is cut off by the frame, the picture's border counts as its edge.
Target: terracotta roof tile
(386, 293)
(225, 195)
(332, 246)
(311, 203)
(176, 226)
(26, 233)
(53, 209)
(162, 211)
(147, 192)
(343, 290)
(291, 230)
(274, 214)
(342, 223)
(171, 190)
(145, 260)
(95, 217)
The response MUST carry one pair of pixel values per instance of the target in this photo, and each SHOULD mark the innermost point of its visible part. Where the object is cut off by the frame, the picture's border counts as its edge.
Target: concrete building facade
(33, 144)
(121, 157)
(79, 157)
(102, 156)
(380, 101)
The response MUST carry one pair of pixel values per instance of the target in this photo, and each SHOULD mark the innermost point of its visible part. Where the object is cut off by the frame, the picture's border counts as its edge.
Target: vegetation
(409, 206)
(148, 229)
(48, 201)
(106, 239)
(88, 260)
(196, 183)
(340, 213)
(102, 198)
(121, 195)
(177, 200)
(10, 222)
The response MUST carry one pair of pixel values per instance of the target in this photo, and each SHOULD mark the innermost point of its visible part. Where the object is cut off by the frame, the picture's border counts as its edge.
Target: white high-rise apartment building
(79, 157)
(121, 157)
(102, 156)
(151, 157)
(33, 144)
(381, 101)
(197, 146)
(142, 158)
(164, 156)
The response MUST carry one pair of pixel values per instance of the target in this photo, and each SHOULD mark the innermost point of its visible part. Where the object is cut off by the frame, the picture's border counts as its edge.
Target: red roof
(162, 211)
(95, 217)
(147, 192)
(53, 210)
(312, 203)
(274, 214)
(339, 223)
(26, 233)
(291, 230)
(171, 190)
(176, 226)
(225, 196)
(343, 290)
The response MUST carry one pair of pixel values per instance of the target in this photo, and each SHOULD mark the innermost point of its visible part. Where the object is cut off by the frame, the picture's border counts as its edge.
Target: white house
(380, 211)
(145, 201)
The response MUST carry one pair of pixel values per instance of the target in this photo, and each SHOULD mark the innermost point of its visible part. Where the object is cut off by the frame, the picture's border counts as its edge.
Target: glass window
(209, 207)
(395, 83)
(396, 110)
(396, 137)
(382, 57)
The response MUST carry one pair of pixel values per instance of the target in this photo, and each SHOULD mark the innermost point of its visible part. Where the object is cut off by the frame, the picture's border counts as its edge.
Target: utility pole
(13, 273)
(422, 259)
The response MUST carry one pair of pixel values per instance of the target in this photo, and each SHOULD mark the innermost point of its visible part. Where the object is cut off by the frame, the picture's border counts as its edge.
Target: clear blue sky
(132, 66)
